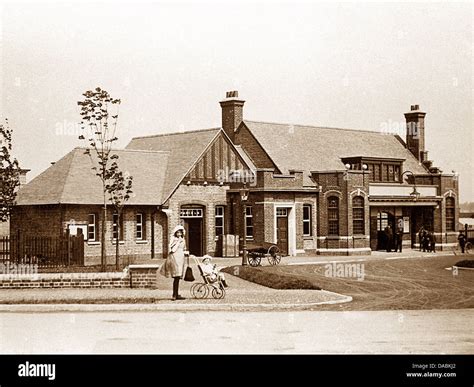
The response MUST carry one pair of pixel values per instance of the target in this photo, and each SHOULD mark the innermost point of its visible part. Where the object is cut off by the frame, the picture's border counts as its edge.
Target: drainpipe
(168, 213)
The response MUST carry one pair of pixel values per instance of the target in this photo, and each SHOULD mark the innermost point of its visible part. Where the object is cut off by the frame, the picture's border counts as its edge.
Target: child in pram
(211, 271)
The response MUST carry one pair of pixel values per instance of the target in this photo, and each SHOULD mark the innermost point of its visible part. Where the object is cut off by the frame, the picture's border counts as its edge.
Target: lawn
(271, 277)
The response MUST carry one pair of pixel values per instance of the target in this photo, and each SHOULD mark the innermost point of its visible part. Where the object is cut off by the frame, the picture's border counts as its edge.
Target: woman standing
(174, 264)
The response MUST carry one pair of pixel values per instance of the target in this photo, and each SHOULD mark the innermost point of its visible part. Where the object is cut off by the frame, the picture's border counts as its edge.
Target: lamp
(414, 194)
(244, 195)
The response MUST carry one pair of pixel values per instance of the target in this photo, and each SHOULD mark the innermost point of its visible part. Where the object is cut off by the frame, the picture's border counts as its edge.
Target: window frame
(142, 226)
(114, 225)
(249, 218)
(358, 222)
(308, 220)
(93, 226)
(451, 210)
(219, 216)
(333, 224)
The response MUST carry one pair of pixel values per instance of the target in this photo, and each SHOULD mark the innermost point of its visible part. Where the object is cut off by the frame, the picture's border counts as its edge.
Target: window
(358, 221)
(92, 228)
(307, 229)
(382, 221)
(387, 172)
(249, 222)
(140, 230)
(450, 210)
(397, 173)
(333, 216)
(114, 226)
(377, 172)
(219, 220)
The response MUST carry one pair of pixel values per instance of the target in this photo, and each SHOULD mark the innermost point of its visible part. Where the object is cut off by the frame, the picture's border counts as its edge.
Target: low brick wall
(142, 276)
(135, 276)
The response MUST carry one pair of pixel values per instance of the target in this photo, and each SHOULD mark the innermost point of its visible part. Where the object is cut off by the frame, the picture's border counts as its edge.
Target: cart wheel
(274, 257)
(254, 260)
(200, 291)
(468, 248)
(218, 293)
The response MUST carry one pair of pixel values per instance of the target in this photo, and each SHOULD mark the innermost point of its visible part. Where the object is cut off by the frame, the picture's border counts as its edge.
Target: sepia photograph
(240, 178)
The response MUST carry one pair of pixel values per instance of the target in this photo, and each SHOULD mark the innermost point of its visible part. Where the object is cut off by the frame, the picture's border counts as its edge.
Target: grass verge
(465, 263)
(267, 276)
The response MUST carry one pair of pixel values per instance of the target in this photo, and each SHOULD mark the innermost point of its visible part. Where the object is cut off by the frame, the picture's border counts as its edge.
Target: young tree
(119, 189)
(99, 127)
(9, 172)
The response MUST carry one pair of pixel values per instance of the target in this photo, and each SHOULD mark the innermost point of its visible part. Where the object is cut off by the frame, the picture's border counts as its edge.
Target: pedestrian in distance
(389, 238)
(462, 241)
(399, 240)
(420, 237)
(174, 265)
(425, 241)
(432, 238)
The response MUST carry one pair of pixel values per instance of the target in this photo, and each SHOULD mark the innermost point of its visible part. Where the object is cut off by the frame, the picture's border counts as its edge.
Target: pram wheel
(199, 290)
(218, 293)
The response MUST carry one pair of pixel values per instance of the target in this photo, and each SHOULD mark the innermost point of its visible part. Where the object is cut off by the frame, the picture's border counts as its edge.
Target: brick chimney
(415, 139)
(232, 113)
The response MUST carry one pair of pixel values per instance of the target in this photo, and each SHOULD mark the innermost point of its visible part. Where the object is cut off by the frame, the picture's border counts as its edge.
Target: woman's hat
(178, 228)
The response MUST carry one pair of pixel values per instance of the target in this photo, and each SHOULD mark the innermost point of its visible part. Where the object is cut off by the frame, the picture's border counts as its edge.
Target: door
(384, 219)
(282, 230)
(193, 228)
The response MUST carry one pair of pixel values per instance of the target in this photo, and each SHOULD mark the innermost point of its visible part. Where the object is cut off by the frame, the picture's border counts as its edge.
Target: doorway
(282, 229)
(193, 222)
(384, 219)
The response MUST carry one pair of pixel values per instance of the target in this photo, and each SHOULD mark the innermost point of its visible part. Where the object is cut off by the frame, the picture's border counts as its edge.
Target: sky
(348, 65)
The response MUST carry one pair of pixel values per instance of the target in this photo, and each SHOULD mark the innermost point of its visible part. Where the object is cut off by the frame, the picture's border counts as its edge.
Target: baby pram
(209, 285)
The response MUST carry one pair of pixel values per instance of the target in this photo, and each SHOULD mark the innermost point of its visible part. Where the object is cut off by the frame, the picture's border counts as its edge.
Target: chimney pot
(232, 94)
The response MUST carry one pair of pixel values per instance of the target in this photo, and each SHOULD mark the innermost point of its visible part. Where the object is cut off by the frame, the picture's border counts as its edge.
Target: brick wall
(36, 220)
(53, 220)
(244, 137)
(131, 250)
(207, 196)
(345, 186)
(135, 277)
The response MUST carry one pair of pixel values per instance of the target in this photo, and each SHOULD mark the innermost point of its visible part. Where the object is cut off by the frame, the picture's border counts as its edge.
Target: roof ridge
(64, 182)
(128, 150)
(318, 127)
(175, 133)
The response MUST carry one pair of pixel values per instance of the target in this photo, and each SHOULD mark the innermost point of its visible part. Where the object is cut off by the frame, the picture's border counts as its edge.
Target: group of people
(427, 240)
(175, 263)
(393, 239)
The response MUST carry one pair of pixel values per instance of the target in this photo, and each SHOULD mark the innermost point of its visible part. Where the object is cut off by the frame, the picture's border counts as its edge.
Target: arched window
(358, 220)
(450, 210)
(333, 215)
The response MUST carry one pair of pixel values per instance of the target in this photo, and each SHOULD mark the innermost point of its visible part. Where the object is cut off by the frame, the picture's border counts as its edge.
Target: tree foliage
(9, 172)
(99, 128)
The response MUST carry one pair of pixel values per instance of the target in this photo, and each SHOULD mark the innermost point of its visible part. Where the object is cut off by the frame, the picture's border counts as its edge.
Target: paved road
(427, 331)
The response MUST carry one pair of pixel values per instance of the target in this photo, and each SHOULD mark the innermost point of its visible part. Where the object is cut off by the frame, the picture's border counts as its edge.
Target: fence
(64, 250)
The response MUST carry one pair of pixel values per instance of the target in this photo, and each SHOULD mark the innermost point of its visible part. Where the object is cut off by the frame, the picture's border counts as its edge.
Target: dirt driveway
(420, 283)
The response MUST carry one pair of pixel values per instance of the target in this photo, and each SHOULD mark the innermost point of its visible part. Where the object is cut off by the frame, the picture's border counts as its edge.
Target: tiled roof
(312, 148)
(184, 150)
(71, 179)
